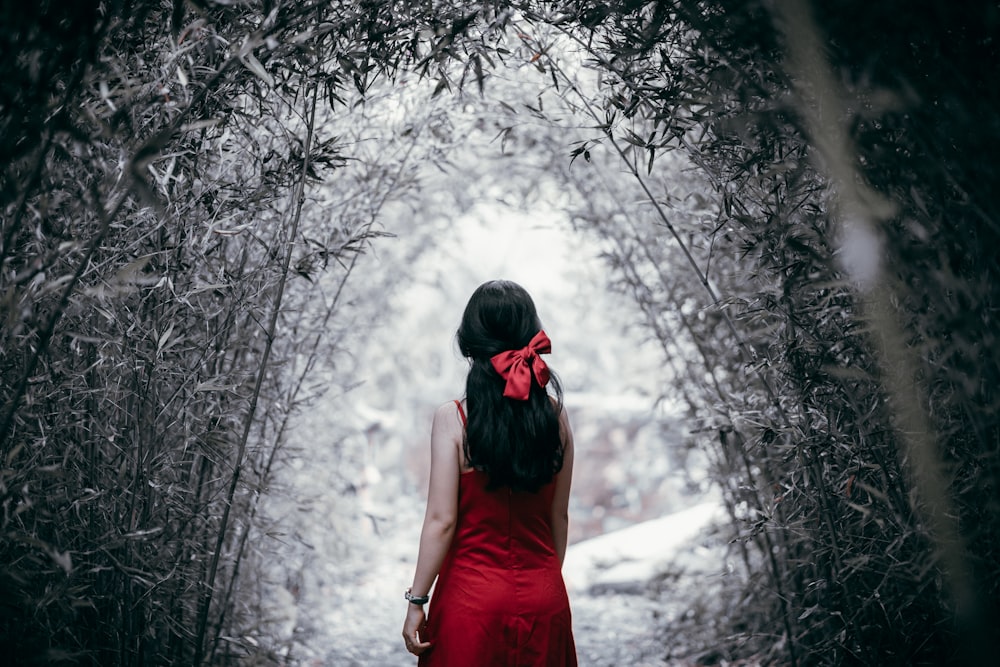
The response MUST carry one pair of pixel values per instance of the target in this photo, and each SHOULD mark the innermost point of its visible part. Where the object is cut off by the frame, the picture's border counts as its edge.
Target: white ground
(616, 621)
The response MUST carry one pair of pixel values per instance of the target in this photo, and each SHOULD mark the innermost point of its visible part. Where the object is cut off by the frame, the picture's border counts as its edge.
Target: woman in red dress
(494, 534)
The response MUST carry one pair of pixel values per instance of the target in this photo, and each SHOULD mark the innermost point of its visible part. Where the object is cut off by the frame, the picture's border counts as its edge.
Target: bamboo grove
(822, 278)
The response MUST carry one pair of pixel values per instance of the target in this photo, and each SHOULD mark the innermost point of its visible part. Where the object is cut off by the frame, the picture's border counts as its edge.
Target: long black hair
(517, 443)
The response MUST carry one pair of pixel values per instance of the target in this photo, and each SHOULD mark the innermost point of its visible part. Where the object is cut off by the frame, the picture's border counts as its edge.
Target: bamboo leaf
(251, 63)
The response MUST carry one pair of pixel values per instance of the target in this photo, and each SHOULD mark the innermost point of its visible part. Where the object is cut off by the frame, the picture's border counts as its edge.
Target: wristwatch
(416, 599)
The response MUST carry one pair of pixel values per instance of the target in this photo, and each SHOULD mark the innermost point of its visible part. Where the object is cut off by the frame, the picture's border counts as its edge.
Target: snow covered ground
(626, 560)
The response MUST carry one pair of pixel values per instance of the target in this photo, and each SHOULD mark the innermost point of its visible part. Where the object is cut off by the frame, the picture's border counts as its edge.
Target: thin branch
(298, 199)
(861, 211)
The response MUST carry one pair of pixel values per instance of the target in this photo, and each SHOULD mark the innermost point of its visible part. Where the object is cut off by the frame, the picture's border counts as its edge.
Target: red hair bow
(515, 366)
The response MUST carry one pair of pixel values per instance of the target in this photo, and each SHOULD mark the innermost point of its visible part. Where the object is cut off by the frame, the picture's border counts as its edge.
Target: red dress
(500, 600)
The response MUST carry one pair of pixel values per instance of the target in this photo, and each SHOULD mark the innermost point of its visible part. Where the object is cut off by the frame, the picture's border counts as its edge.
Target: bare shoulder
(445, 408)
(447, 417)
(560, 409)
(448, 408)
(565, 430)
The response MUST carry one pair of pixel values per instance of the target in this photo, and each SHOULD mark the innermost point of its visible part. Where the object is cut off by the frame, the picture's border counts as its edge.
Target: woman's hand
(414, 623)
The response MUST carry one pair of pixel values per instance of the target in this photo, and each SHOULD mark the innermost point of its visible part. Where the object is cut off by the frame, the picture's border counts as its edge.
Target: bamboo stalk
(861, 211)
(768, 546)
(742, 345)
(298, 199)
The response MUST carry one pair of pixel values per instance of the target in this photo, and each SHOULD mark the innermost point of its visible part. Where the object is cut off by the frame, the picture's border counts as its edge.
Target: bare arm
(560, 504)
(440, 517)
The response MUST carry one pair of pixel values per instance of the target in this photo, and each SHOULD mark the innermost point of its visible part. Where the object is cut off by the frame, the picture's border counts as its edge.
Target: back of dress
(503, 528)
(500, 600)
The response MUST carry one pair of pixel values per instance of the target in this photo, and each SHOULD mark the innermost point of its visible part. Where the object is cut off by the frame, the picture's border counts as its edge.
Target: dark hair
(517, 443)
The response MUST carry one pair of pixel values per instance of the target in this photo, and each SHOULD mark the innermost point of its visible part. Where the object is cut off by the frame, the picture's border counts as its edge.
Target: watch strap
(416, 599)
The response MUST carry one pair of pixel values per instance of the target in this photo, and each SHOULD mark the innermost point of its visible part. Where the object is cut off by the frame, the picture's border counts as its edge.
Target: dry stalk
(861, 211)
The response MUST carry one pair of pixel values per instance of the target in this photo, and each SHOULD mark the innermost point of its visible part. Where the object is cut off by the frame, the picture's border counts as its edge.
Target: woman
(494, 534)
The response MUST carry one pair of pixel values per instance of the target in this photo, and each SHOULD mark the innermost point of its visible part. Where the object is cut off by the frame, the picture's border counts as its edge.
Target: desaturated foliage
(170, 278)
(803, 215)
(836, 342)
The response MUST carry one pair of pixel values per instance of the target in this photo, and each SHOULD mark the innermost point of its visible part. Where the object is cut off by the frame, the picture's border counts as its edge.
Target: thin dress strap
(461, 413)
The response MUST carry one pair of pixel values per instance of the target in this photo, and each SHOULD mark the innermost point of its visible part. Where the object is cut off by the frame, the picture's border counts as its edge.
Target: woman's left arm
(439, 519)
(564, 479)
